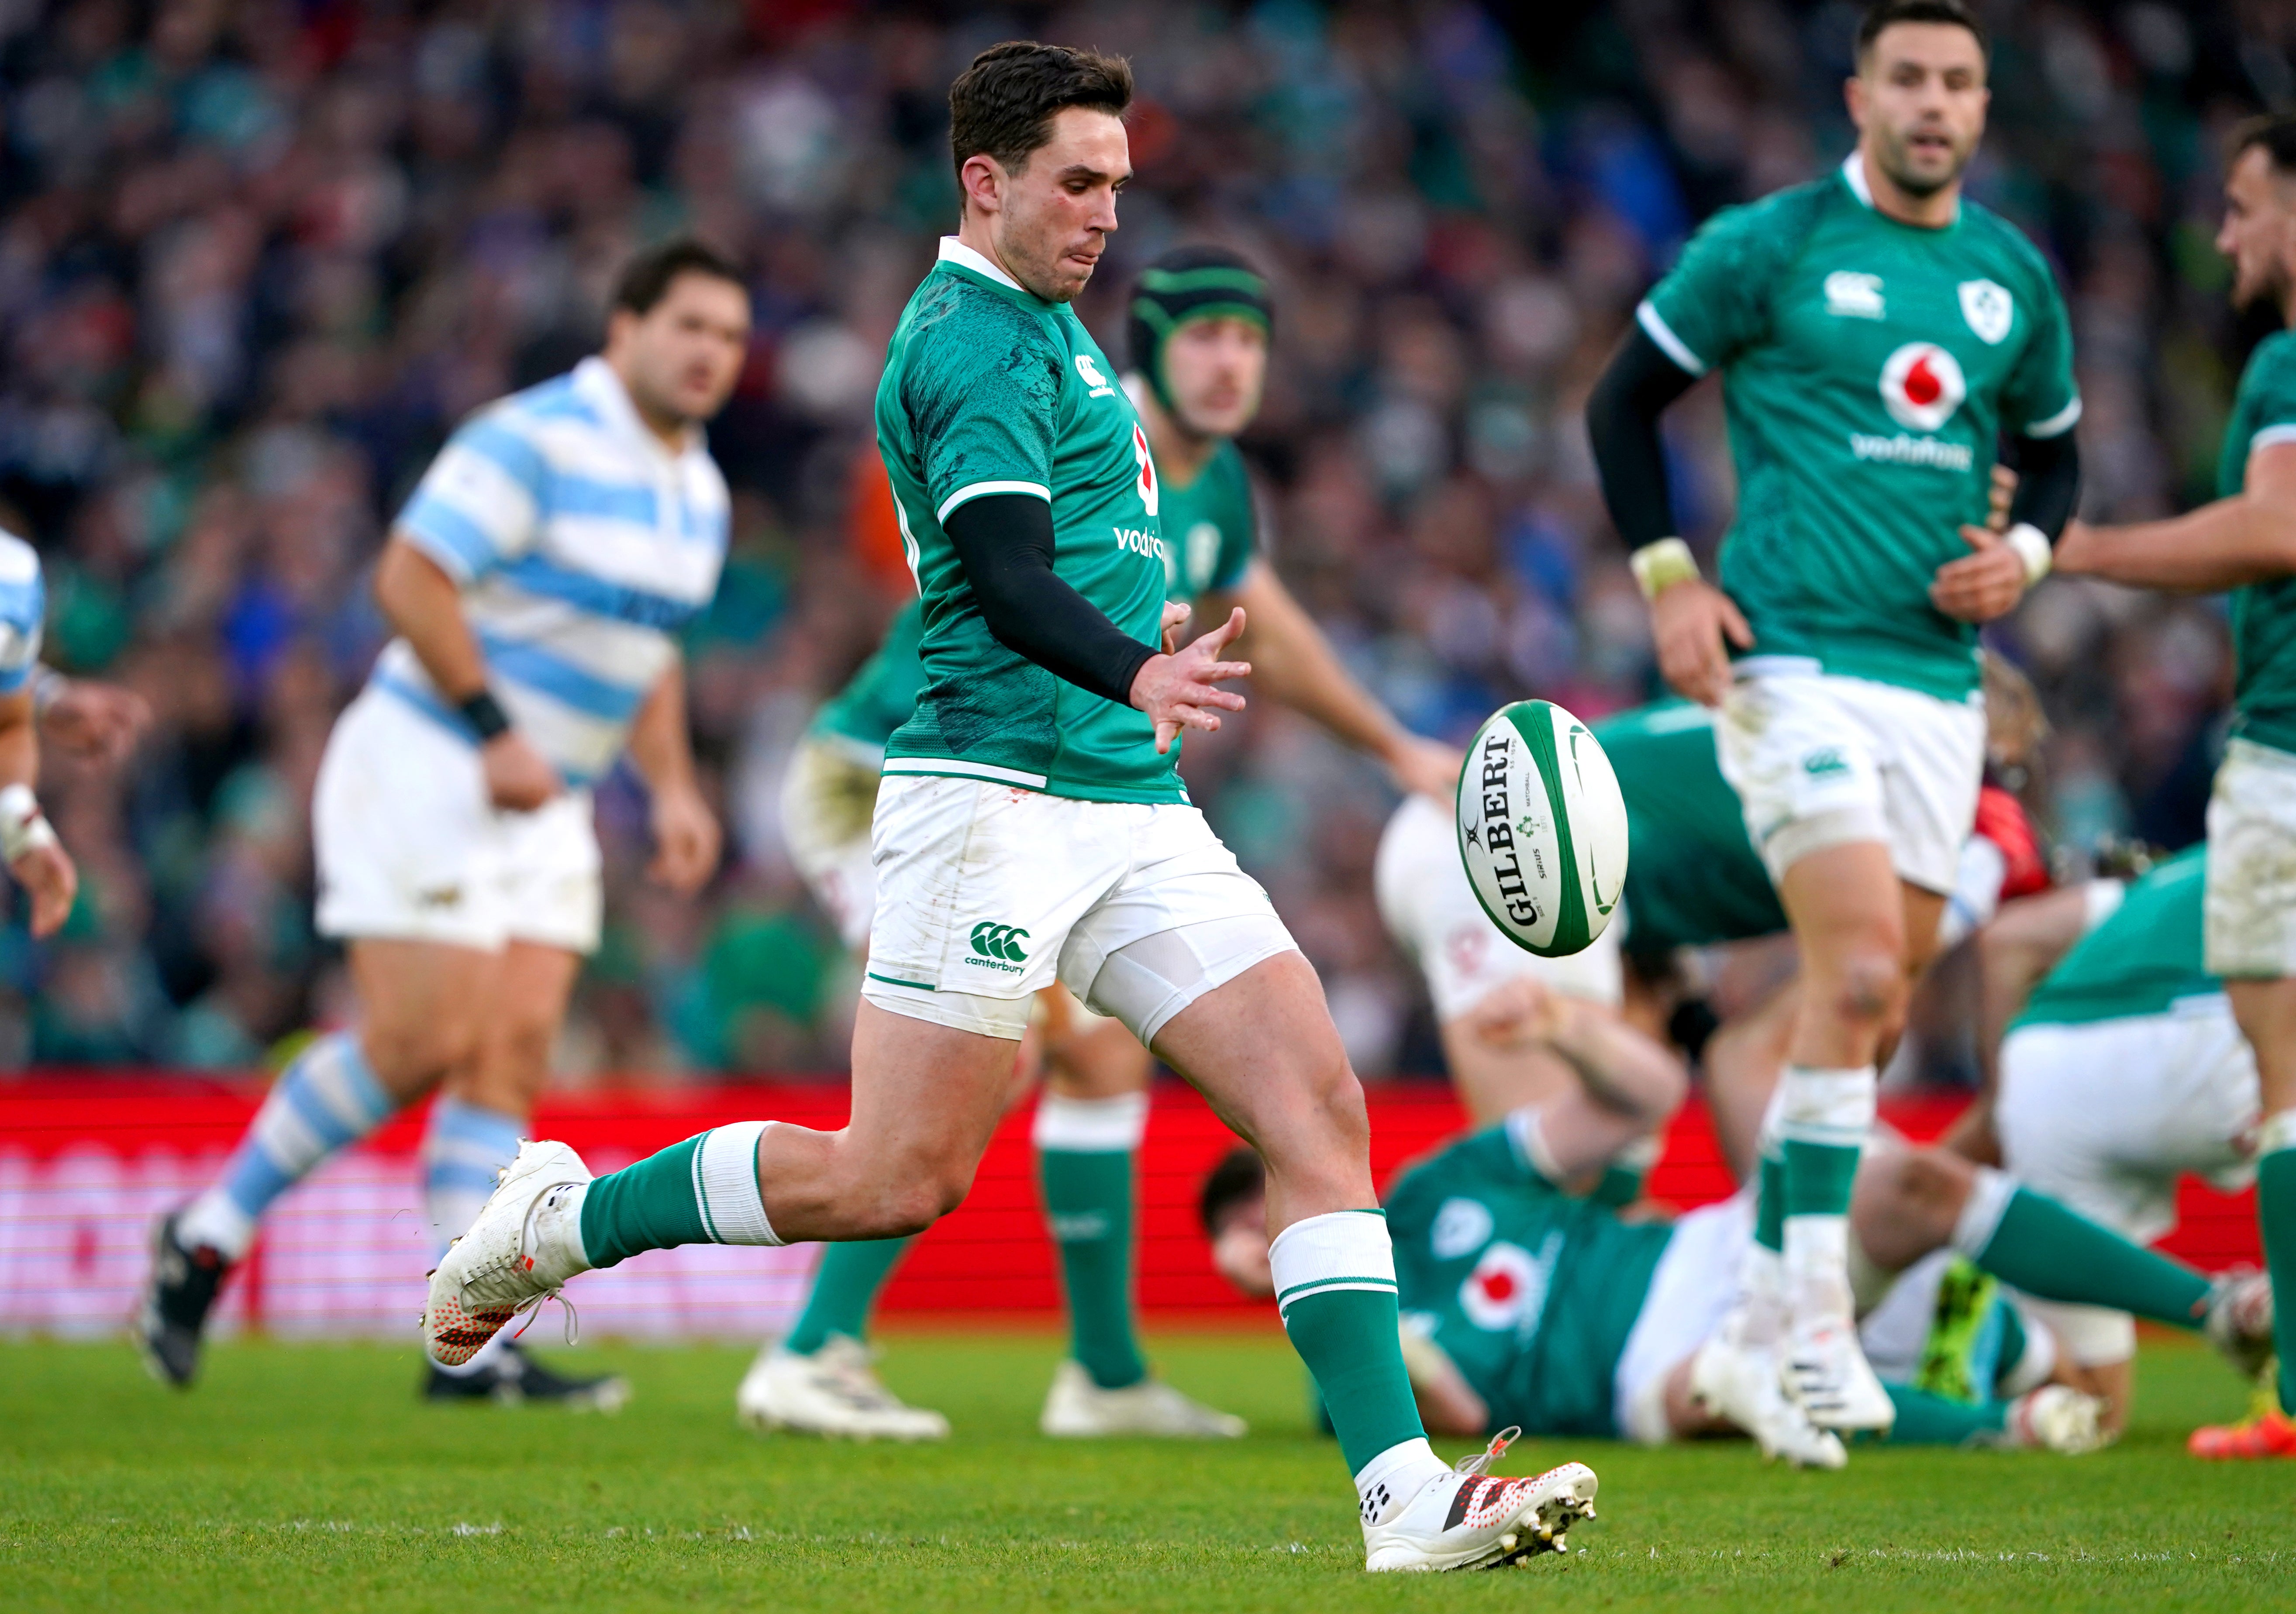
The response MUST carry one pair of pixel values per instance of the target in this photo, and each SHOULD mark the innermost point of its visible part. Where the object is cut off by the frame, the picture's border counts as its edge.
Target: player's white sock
(325, 1101)
(1823, 1118)
(1395, 1477)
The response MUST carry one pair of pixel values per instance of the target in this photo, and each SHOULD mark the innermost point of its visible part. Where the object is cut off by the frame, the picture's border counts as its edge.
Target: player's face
(1055, 215)
(1919, 103)
(1214, 370)
(1240, 1249)
(681, 358)
(2259, 230)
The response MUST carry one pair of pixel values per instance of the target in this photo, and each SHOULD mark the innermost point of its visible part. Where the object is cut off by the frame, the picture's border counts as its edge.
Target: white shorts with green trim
(1431, 911)
(409, 849)
(1820, 760)
(987, 892)
(2250, 918)
(828, 796)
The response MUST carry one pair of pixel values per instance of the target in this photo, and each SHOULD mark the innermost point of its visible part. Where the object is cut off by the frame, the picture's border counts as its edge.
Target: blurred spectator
(256, 259)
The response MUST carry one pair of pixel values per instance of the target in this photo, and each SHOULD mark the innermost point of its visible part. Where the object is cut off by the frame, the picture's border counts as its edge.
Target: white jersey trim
(1853, 174)
(954, 252)
(2272, 436)
(963, 769)
(2057, 424)
(1671, 345)
(983, 489)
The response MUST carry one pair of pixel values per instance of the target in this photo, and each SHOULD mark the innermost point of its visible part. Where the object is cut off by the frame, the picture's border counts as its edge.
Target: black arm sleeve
(1622, 421)
(1004, 543)
(2049, 482)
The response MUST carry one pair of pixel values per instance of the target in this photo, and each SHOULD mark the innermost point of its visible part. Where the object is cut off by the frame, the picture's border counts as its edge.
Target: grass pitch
(309, 1476)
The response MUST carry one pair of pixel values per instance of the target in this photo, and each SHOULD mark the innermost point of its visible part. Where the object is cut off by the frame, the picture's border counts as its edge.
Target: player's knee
(410, 1051)
(1867, 985)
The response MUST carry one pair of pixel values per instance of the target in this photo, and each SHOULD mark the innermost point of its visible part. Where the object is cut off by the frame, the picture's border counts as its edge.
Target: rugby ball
(1542, 828)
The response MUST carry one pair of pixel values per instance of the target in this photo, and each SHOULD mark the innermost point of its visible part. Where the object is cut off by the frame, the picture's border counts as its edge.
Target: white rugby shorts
(1691, 1291)
(988, 892)
(2249, 917)
(829, 795)
(1820, 760)
(1431, 911)
(409, 849)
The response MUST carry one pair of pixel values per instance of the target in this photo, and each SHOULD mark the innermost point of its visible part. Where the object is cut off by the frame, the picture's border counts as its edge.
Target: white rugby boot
(1077, 1408)
(2238, 1323)
(1469, 1520)
(2058, 1418)
(1740, 1382)
(1823, 1370)
(526, 1243)
(834, 1393)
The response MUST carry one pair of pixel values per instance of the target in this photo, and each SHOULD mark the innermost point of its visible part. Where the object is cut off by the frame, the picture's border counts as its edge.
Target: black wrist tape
(484, 714)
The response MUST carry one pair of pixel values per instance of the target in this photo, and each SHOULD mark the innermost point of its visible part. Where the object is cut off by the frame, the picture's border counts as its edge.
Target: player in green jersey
(1200, 320)
(2246, 542)
(1877, 334)
(1031, 826)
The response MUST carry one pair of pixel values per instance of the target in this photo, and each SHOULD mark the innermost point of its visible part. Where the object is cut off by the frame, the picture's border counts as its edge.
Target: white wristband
(2032, 547)
(22, 828)
(1661, 565)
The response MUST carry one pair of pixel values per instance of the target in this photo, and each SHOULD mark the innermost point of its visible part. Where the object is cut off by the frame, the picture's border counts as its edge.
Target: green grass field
(308, 1477)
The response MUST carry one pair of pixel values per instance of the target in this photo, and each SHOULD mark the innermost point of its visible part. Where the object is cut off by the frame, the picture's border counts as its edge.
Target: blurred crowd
(257, 258)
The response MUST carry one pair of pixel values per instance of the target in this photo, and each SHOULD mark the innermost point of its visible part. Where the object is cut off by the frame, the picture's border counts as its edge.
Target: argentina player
(535, 581)
(1877, 333)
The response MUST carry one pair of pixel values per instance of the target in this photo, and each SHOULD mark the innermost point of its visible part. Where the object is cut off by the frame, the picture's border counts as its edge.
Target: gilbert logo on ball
(1542, 828)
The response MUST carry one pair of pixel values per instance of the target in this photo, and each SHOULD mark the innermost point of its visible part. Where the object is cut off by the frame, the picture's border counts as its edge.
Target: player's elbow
(406, 581)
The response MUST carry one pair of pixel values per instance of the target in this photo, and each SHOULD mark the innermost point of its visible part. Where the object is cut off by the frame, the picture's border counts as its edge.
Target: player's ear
(983, 178)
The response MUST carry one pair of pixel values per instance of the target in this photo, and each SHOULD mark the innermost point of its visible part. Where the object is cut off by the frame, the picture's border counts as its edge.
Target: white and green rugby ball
(1542, 828)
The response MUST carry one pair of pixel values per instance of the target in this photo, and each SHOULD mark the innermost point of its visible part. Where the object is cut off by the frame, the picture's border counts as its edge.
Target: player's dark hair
(646, 279)
(1888, 13)
(2273, 133)
(1002, 105)
(1239, 1176)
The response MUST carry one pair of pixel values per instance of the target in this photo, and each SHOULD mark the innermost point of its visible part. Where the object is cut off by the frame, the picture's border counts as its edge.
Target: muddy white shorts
(1819, 760)
(828, 797)
(409, 849)
(987, 892)
(2249, 917)
(1431, 911)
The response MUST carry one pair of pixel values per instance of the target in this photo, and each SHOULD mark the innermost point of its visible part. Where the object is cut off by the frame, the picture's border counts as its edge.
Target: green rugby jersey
(880, 696)
(1531, 1291)
(988, 389)
(1868, 366)
(2263, 614)
(1212, 526)
(1694, 878)
(2144, 959)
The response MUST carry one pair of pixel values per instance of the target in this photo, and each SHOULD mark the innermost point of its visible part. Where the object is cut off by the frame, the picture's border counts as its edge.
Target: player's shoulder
(1772, 229)
(19, 563)
(2019, 254)
(964, 336)
(2272, 365)
(23, 601)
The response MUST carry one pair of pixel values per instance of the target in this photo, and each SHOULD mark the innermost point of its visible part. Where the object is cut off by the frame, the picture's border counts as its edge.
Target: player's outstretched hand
(48, 873)
(1176, 616)
(1689, 621)
(1176, 689)
(1425, 767)
(686, 840)
(1980, 585)
(96, 722)
(518, 779)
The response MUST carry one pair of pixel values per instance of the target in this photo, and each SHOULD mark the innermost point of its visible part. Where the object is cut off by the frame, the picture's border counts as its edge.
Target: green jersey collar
(1853, 174)
(958, 255)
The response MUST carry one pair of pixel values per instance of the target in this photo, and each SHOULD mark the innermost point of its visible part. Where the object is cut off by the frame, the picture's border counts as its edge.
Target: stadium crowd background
(257, 259)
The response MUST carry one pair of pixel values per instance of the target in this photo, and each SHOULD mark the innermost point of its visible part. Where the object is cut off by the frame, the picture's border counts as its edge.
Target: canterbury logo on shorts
(999, 946)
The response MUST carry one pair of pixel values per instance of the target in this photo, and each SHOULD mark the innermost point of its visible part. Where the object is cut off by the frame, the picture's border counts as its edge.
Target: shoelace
(1480, 1463)
(531, 1309)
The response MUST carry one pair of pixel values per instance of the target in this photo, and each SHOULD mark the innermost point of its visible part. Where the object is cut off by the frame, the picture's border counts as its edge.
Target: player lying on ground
(536, 581)
(1199, 327)
(1031, 826)
(1877, 333)
(2246, 542)
(1530, 1303)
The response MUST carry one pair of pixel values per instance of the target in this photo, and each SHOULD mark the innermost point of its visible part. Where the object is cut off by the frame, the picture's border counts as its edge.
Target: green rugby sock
(1770, 1200)
(1089, 1204)
(2033, 1243)
(845, 1288)
(1928, 1420)
(1335, 1285)
(703, 1190)
(2275, 1216)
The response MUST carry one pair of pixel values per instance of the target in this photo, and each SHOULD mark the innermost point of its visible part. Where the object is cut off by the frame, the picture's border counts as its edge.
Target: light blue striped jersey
(23, 602)
(582, 545)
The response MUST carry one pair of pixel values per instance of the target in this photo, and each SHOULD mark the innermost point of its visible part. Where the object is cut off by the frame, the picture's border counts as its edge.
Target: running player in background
(1878, 334)
(535, 581)
(1032, 826)
(1200, 319)
(28, 842)
(2246, 542)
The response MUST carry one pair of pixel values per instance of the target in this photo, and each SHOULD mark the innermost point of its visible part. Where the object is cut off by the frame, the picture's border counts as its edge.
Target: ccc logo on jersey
(993, 940)
(1922, 385)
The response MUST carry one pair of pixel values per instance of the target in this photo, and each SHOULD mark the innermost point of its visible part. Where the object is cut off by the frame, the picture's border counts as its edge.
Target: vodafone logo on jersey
(1922, 385)
(1505, 1284)
(1147, 463)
